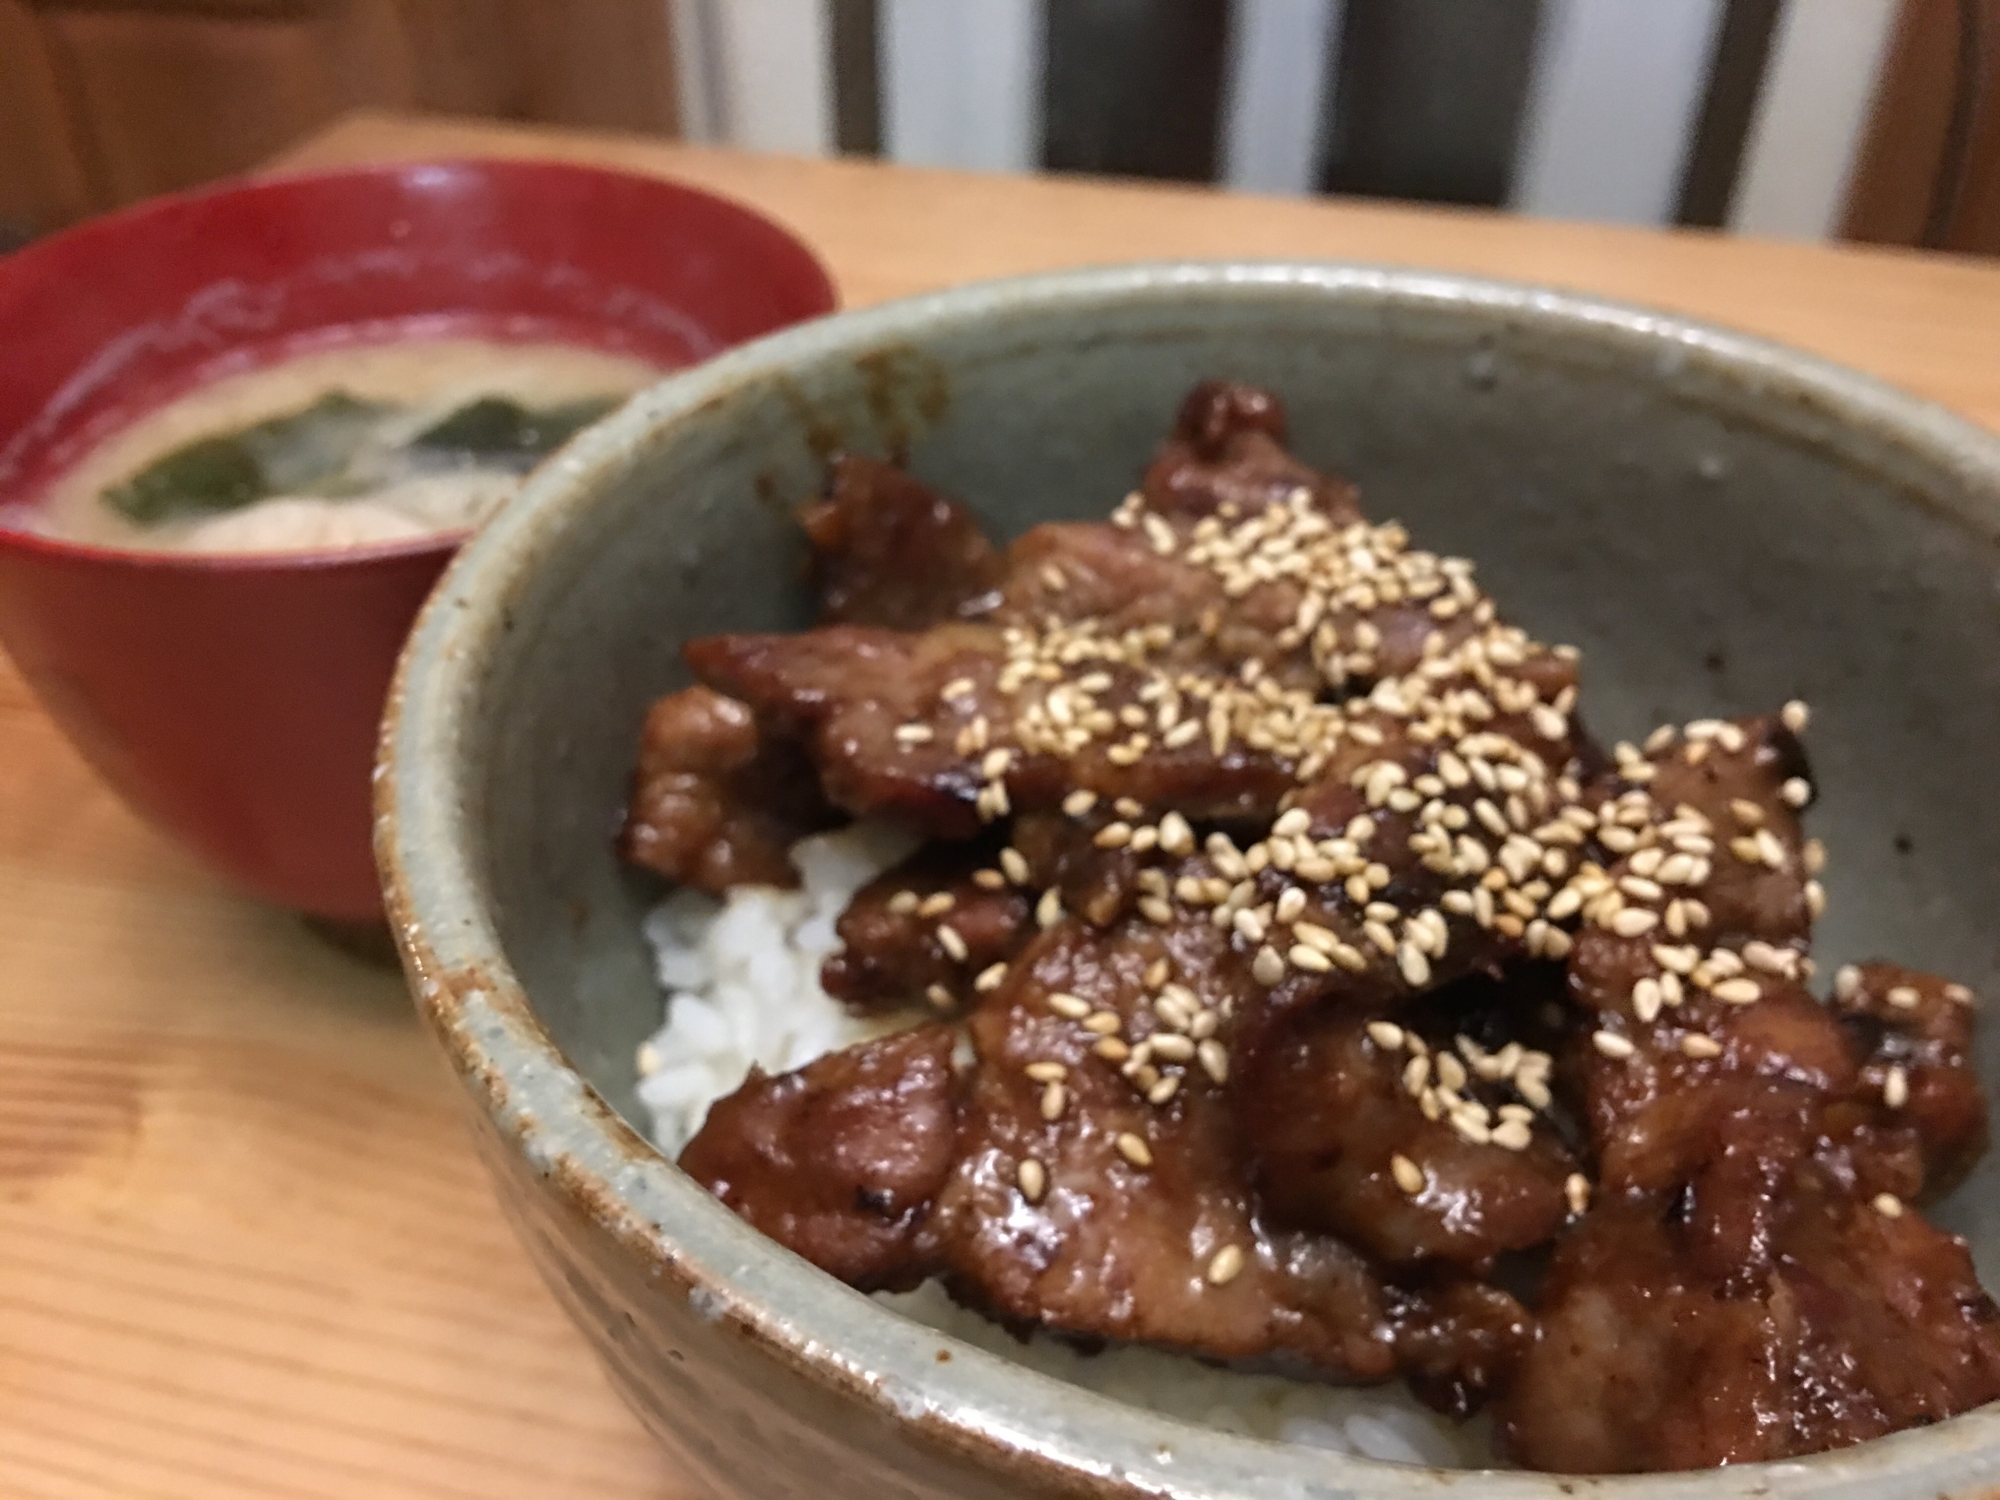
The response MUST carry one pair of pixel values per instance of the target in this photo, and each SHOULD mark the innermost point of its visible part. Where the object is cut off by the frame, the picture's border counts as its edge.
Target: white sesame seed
(1032, 1178)
(1451, 1073)
(1386, 1034)
(1292, 823)
(1068, 1006)
(1214, 1059)
(1310, 959)
(1055, 1098)
(1738, 991)
(1409, 1176)
(1565, 903)
(1226, 1266)
(1470, 1126)
(1515, 1135)
(1416, 969)
(1795, 716)
(1576, 1189)
(1888, 1205)
(1904, 997)
(1612, 1045)
(1416, 1073)
(1103, 1023)
(1172, 1046)
(1675, 959)
(1896, 1088)
(952, 943)
(1634, 921)
(1646, 999)
(1134, 1149)
(1695, 1044)
(1267, 968)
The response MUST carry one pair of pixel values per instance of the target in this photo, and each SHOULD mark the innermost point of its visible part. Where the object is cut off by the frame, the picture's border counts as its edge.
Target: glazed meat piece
(924, 931)
(870, 708)
(1748, 782)
(888, 550)
(1458, 1341)
(1689, 960)
(1326, 986)
(1412, 867)
(841, 1160)
(1095, 1188)
(1344, 1144)
(915, 727)
(1853, 1325)
(1913, 1034)
(1184, 659)
(1228, 448)
(1096, 1191)
(716, 803)
(1752, 1269)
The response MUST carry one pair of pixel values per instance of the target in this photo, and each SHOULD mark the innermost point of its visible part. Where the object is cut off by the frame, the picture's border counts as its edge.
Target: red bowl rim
(122, 221)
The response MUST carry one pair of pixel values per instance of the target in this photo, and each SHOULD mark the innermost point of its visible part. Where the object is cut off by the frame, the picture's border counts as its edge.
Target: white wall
(1281, 63)
(755, 73)
(962, 83)
(1613, 103)
(1818, 90)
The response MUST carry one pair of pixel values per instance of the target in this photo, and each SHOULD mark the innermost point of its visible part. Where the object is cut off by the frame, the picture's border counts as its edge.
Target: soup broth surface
(344, 447)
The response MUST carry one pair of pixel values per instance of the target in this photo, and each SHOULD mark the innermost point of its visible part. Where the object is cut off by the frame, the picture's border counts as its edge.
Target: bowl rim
(120, 223)
(1019, 1423)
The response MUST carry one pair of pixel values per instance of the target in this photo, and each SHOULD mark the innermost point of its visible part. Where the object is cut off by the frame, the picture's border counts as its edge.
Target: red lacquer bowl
(233, 701)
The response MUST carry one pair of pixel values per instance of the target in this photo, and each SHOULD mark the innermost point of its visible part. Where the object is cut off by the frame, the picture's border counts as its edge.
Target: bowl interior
(1720, 526)
(180, 289)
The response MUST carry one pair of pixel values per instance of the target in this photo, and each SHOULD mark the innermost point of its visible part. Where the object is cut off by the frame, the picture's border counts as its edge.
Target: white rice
(742, 983)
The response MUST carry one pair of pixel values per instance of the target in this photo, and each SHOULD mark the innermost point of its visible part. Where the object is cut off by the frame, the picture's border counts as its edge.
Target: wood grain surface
(244, 1247)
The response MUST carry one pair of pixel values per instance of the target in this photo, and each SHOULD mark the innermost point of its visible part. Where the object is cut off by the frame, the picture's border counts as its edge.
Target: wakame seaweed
(310, 451)
(333, 448)
(498, 429)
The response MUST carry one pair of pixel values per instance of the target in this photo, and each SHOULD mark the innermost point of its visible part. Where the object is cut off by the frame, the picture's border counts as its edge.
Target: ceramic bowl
(1721, 525)
(233, 700)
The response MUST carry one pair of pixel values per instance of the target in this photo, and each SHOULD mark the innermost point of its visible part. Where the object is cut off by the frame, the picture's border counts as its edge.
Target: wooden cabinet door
(106, 101)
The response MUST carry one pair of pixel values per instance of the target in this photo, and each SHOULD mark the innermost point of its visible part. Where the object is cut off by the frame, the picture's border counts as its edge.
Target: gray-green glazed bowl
(1719, 523)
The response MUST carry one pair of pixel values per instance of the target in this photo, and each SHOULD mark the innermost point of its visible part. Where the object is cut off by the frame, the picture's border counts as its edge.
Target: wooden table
(244, 1249)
